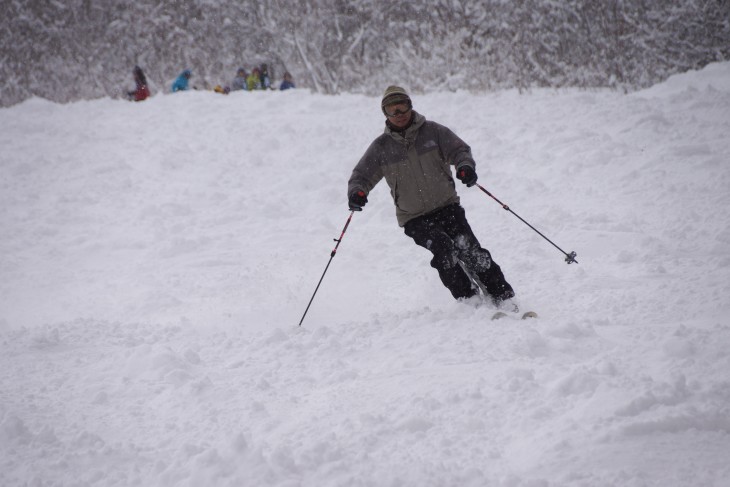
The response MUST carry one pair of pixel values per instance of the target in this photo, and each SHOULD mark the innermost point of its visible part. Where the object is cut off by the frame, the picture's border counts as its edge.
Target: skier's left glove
(467, 175)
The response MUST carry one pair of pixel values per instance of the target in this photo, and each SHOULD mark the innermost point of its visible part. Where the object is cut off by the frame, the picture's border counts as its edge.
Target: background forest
(80, 49)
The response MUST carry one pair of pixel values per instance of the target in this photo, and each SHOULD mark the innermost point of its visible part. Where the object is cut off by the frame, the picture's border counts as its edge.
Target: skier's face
(399, 114)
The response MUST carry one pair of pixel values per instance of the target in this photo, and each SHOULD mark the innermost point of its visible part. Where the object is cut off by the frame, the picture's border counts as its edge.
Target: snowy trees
(82, 49)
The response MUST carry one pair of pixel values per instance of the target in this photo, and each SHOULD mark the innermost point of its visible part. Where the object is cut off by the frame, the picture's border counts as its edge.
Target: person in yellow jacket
(254, 80)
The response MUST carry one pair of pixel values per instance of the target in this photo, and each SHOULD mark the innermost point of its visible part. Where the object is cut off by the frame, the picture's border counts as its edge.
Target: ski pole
(332, 256)
(569, 257)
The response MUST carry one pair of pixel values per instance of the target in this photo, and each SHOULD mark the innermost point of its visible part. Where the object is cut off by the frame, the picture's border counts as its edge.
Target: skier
(265, 78)
(239, 82)
(181, 83)
(414, 156)
(141, 92)
(254, 80)
(288, 82)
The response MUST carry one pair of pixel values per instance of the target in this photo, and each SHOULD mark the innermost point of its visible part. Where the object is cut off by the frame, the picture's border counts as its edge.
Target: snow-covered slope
(155, 259)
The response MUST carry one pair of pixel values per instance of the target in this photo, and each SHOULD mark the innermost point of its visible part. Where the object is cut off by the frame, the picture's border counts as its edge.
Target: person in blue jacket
(240, 81)
(181, 83)
(288, 82)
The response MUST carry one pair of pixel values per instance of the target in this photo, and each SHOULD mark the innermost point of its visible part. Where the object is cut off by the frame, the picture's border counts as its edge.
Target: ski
(501, 314)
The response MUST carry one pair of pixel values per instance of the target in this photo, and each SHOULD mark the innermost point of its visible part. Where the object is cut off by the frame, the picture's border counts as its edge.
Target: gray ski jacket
(416, 166)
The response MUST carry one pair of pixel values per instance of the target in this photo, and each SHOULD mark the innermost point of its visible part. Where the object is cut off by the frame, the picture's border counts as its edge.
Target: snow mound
(156, 258)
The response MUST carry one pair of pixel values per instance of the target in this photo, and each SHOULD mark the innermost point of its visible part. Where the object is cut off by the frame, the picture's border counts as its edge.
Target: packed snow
(157, 257)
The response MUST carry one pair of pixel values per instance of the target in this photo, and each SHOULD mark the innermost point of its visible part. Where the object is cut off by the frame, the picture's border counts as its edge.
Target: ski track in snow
(155, 259)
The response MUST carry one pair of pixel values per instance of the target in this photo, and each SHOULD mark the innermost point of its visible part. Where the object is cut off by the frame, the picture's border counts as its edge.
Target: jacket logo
(429, 144)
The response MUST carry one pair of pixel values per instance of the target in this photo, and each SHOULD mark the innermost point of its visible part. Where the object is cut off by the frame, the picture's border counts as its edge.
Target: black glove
(357, 200)
(467, 175)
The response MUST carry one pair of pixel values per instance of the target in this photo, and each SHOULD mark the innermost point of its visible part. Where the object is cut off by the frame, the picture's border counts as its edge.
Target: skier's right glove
(357, 200)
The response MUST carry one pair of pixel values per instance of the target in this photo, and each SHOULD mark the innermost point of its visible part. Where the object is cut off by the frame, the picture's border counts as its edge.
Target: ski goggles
(397, 111)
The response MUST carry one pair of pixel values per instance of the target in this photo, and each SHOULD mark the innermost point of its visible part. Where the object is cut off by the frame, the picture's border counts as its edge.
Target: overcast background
(80, 49)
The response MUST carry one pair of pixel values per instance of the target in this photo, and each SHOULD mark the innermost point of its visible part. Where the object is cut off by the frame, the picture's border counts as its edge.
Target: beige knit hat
(395, 94)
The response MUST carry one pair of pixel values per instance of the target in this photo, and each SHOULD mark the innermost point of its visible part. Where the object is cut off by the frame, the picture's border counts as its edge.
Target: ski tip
(501, 314)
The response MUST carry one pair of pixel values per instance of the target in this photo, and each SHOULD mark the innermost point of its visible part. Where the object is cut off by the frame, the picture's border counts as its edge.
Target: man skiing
(414, 156)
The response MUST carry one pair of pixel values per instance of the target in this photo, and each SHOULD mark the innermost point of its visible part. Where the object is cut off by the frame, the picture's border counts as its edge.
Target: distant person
(254, 80)
(240, 82)
(182, 81)
(415, 156)
(265, 78)
(224, 90)
(141, 92)
(288, 82)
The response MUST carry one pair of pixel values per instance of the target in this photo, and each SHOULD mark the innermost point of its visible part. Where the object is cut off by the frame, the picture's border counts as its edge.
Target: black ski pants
(448, 236)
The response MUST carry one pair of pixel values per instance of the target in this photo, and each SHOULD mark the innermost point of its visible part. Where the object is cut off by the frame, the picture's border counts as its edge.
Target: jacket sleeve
(367, 172)
(454, 150)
